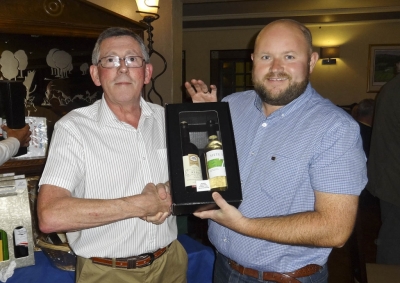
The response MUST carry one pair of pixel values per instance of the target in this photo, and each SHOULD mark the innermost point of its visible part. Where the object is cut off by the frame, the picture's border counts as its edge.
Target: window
(231, 71)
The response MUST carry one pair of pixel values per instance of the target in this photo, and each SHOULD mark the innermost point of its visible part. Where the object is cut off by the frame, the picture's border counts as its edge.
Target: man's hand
(199, 92)
(228, 215)
(22, 135)
(159, 210)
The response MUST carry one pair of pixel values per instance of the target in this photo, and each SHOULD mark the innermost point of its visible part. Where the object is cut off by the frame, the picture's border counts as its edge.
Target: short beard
(294, 90)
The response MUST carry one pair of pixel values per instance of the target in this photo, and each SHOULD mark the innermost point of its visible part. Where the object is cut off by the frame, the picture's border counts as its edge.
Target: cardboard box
(196, 115)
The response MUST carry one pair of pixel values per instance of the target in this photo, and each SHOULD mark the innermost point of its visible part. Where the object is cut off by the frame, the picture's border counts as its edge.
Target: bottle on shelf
(1, 247)
(214, 157)
(191, 160)
(20, 242)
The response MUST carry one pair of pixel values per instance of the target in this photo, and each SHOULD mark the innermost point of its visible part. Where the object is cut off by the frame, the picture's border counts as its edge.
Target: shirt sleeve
(8, 148)
(65, 162)
(339, 163)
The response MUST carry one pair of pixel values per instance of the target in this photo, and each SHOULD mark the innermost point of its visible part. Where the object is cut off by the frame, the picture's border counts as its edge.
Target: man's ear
(313, 60)
(148, 72)
(94, 73)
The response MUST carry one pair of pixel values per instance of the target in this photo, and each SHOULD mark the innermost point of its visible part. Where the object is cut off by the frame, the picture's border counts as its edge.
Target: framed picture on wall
(382, 61)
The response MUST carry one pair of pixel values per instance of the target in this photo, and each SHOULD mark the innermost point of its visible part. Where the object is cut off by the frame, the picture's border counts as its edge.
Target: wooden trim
(37, 20)
(29, 167)
(55, 29)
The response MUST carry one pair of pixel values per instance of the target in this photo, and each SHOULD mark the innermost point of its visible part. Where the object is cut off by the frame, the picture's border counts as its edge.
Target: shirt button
(264, 124)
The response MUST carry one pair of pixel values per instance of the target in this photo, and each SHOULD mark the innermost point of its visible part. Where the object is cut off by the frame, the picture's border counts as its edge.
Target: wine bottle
(4, 245)
(13, 95)
(191, 160)
(1, 249)
(20, 242)
(215, 160)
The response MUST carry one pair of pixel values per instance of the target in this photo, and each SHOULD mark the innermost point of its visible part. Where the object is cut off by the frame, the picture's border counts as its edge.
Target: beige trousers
(171, 267)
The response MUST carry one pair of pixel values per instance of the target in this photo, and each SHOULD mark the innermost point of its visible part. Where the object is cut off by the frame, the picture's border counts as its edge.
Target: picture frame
(382, 59)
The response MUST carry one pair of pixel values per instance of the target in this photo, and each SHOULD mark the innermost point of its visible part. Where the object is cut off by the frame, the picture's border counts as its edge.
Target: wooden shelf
(29, 167)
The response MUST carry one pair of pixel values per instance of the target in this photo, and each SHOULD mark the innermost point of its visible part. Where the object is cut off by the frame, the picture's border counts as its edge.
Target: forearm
(307, 228)
(329, 225)
(8, 148)
(71, 214)
(59, 211)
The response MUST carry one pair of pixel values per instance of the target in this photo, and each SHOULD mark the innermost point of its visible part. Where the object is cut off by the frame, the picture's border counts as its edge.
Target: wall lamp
(148, 10)
(328, 53)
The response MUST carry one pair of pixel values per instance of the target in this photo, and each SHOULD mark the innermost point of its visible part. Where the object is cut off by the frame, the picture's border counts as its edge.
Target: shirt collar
(289, 108)
(107, 117)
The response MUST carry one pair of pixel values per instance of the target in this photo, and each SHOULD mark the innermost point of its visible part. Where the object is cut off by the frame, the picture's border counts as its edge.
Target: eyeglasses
(114, 61)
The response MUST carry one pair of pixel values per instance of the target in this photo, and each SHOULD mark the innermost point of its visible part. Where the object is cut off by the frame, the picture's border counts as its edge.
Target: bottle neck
(185, 134)
(212, 133)
(212, 137)
(185, 138)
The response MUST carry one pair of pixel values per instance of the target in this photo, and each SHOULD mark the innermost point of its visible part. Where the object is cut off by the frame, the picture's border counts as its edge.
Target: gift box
(198, 164)
(16, 222)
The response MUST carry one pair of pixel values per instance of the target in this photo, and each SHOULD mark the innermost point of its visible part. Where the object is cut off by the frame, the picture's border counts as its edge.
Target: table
(200, 268)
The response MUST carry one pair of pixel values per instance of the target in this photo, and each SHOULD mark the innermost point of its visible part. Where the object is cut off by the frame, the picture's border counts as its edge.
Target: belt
(131, 262)
(287, 277)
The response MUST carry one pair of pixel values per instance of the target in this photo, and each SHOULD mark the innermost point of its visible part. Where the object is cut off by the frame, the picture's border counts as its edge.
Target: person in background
(364, 114)
(104, 182)
(353, 110)
(301, 164)
(16, 138)
(384, 169)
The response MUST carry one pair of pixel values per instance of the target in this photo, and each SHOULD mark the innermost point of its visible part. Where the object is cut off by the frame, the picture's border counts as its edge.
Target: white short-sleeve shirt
(96, 156)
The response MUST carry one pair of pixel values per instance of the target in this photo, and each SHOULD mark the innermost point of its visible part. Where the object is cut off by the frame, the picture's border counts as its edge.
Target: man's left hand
(228, 215)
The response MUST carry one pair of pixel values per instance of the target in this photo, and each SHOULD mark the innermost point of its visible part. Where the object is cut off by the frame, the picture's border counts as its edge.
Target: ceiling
(211, 14)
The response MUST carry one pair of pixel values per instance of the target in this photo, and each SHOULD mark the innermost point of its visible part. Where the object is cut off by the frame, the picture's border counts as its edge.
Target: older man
(99, 181)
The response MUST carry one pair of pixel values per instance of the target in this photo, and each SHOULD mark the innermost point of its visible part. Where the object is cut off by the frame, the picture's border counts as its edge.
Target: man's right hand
(199, 92)
(22, 135)
(160, 202)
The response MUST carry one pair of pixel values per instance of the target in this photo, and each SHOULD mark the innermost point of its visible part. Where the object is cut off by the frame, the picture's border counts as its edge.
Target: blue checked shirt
(309, 144)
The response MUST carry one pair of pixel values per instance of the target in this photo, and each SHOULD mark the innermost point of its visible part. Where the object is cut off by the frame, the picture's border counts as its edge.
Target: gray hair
(114, 32)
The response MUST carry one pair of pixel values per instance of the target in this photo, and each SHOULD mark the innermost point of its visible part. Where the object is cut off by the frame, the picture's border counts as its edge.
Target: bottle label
(215, 163)
(191, 169)
(20, 237)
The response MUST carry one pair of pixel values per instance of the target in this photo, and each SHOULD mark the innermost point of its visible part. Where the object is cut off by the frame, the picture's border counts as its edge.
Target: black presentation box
(12, 98)
(196, 115)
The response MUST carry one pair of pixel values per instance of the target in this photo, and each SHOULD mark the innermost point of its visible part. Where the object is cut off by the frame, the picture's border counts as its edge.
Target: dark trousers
(388, 244)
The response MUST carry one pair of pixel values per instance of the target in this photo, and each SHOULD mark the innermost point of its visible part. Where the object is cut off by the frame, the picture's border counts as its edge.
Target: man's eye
(290, 57)
(265, 57)
(110, 59)
(131, 59)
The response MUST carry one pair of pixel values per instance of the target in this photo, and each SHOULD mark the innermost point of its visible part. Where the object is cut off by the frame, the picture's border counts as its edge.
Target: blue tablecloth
(201, 262)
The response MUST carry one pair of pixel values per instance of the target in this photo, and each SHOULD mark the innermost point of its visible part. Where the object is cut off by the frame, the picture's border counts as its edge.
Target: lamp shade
(329, 52)
(147, 6)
